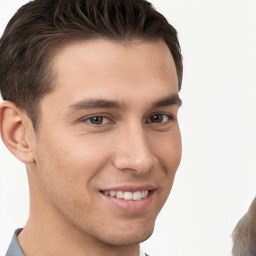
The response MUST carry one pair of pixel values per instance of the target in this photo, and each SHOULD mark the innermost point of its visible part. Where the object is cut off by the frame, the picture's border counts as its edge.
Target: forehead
(101, 50)
(103, 68)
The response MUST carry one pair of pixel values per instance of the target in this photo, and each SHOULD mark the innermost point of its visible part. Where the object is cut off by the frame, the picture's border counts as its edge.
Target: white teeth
(120, 194)
(136, 195)
(144, 193)
(127, 195)
(112, 193)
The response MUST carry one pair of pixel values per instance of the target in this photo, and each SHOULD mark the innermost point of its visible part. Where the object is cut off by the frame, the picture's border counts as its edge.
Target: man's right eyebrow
(93, 104)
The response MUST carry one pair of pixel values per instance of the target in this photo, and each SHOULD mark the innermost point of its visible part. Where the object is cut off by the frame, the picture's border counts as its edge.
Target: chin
(126, 237)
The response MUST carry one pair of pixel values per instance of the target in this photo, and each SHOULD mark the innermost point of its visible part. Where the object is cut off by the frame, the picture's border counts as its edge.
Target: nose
(133, 151)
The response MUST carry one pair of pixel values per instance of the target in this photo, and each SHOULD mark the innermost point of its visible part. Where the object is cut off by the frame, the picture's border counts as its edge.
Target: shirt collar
(14, 248)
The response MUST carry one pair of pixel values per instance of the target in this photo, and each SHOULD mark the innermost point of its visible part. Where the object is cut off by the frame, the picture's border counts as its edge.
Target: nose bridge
(133, 151)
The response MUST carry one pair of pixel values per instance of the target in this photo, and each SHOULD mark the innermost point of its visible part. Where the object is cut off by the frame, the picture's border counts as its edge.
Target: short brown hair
(244, 234)
(41, 27)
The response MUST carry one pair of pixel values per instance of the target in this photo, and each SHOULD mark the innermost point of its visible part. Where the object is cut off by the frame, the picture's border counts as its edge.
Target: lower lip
(130, 206)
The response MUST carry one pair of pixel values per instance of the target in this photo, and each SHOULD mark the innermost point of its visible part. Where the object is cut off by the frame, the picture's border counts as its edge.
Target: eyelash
(165, 117)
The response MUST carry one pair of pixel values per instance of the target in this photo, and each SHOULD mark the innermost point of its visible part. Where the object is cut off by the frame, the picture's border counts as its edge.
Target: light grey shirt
(14, 248)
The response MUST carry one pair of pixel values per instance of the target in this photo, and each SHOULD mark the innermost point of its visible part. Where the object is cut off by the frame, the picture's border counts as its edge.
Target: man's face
(109, 127)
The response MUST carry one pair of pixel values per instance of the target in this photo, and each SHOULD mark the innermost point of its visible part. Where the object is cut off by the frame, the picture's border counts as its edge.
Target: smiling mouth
(127, 195)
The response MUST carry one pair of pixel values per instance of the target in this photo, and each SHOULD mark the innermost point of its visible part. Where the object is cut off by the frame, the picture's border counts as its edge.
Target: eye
(159, 118)
(97, 120)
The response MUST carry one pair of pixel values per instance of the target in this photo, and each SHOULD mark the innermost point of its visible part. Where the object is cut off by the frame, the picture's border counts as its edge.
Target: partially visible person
(244, 234)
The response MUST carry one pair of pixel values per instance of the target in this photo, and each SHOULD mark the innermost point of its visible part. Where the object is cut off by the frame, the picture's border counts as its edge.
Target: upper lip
(131, 187)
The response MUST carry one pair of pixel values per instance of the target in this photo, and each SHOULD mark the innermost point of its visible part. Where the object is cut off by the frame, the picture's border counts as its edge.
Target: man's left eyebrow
(173, 99)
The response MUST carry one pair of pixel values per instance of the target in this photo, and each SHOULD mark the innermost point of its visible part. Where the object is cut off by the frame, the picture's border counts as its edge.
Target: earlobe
(13, 132)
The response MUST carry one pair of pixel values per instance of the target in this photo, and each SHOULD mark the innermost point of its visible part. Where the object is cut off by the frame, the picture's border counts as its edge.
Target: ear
(15, 129)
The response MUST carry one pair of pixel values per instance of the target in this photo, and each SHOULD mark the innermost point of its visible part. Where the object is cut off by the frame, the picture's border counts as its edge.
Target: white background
(216, 180)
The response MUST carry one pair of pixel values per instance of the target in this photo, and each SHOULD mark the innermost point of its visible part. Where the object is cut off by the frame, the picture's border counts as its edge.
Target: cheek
(168, 150)
(67, 168)
(67, 179)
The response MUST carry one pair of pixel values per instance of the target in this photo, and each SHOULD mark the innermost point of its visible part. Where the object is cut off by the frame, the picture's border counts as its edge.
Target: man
(90, 91)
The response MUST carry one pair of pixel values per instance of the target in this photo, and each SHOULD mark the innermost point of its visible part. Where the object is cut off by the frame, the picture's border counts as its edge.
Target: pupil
(156, 119)
(97, 120)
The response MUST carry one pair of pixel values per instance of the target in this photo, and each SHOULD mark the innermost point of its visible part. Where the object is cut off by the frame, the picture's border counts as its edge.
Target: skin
(72, 158)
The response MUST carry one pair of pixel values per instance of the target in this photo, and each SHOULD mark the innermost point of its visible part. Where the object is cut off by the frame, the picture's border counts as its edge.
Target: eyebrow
(173, 99)
(94, 103)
